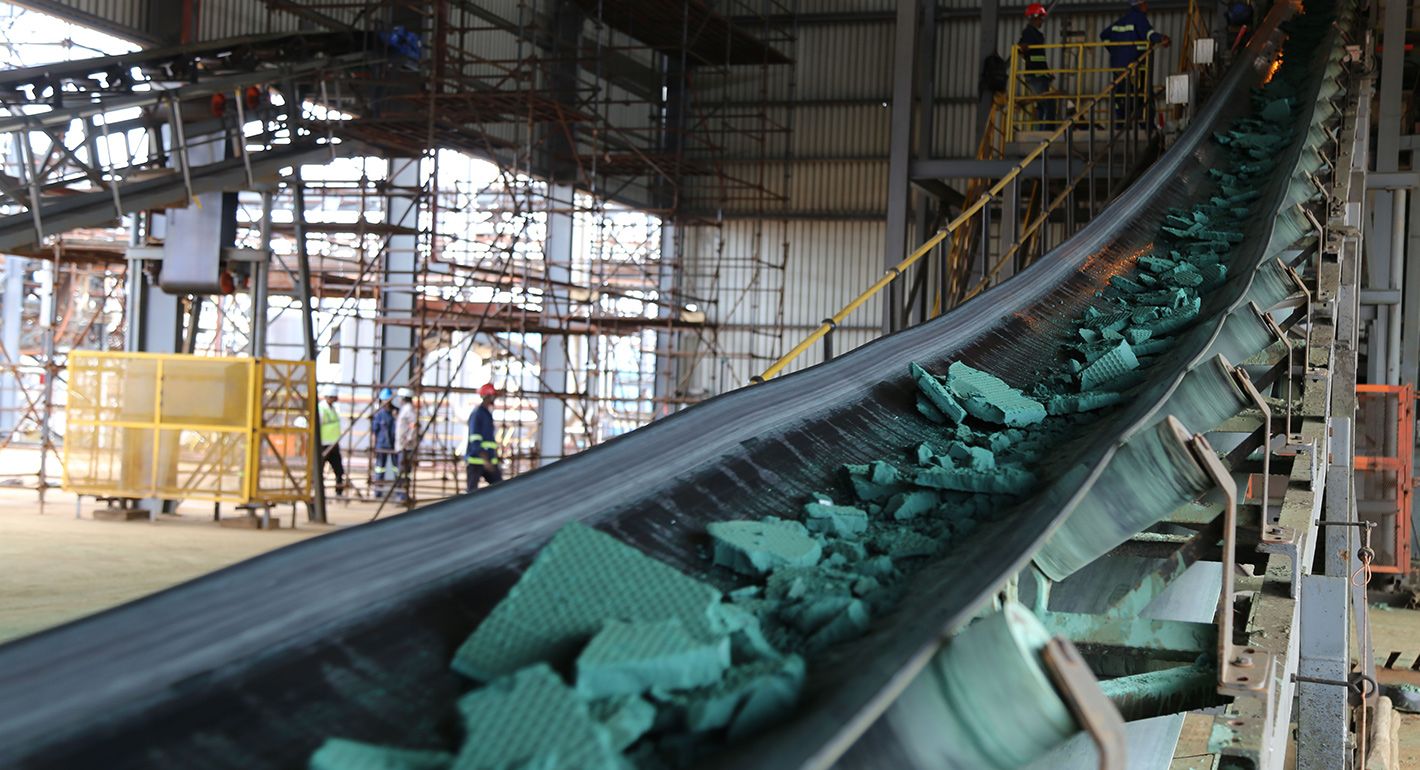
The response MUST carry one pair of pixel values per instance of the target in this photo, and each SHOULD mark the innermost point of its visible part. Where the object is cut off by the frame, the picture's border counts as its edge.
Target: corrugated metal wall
(824, 264)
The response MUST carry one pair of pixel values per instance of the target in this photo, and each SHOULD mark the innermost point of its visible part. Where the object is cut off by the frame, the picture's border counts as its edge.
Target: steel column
(556, 306)
(260, 273)
(398, 364)
(1396, 281)
(11, 315)
(308, 335)
(1322, 710)
(1381, 240)
(926, 94)
(667, 382)
(990, 11)
(900, 153)
(1410, 302)
(1010, 229)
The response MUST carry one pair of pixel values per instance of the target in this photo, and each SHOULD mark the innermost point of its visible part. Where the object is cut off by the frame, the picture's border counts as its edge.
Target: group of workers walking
(394, 431)
(1129, 37)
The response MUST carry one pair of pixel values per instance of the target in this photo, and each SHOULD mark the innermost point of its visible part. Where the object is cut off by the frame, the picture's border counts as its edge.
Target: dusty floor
(55, 568)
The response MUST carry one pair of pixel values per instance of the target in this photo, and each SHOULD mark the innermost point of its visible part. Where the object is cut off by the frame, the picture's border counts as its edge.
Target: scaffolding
(431, 212)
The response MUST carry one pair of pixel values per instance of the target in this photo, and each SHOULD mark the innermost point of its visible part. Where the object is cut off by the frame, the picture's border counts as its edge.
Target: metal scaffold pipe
(308, 332)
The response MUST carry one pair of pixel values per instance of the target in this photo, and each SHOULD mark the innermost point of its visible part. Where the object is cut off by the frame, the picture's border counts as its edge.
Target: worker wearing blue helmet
(382, 432)
(1131, 35)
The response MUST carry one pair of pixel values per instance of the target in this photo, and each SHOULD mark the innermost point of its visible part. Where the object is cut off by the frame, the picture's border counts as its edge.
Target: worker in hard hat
(482, 451)
(1035, 66)
(1131, 35)
(382, 433)
(1239, 16)
(330, 436)
(406, 438)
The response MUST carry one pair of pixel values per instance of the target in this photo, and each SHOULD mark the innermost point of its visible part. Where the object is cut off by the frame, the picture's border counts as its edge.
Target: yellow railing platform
(189, 427)
(1079, 73)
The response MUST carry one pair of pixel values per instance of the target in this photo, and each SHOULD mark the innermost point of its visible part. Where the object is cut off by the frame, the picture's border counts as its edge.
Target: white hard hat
(326, 391)
(404, 393)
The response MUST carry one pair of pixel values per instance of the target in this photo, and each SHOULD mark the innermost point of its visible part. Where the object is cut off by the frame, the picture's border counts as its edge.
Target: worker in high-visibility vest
(1131, 35)
(330, 437)
(482, 451)
(1032, 57)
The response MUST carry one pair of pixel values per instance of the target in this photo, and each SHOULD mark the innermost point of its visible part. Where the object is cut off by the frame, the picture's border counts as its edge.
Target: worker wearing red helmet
(482, 451)
(1035, 65)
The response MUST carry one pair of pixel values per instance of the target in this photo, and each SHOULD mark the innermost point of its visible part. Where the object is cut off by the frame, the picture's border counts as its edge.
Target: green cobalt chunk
(1004, 479)
(932, 413)
(850, 622)
(532, 719)
(989, 398)
(632, 658)
(1107, 367)
(937, 395)
(340, 754)
(910, 505)
(625, 717)
(756, 547)
(972, 457)
(904, 544)
(840, 520)
(581, 578)
(860, 477)
(750, 697)
(1090, 400)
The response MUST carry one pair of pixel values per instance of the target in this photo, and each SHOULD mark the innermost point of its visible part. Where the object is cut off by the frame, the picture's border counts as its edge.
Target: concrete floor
(56, 567)
(1399, 631)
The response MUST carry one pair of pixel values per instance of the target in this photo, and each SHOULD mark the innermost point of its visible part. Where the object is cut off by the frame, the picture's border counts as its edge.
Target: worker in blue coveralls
(386, 464)
(1035, 65)
(482, 451)
(1132, 33)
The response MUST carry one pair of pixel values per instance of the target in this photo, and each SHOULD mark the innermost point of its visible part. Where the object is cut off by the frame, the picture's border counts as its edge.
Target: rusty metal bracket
(1291, 361)
(1241, 670)
(1081, 692)
(1321, 188)
(1274, 537)
(1245, 384)
(1321, 239)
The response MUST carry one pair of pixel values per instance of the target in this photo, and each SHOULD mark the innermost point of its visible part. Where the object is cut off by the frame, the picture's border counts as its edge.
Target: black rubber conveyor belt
(351, 634)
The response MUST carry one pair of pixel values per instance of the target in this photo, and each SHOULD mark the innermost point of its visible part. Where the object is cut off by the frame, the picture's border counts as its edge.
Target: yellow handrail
(892, 274)
(1024, 104)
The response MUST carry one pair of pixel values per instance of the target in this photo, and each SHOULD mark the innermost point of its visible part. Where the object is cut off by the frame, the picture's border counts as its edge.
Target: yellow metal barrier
(1083, 114)
(189, 427)
(1080, 74)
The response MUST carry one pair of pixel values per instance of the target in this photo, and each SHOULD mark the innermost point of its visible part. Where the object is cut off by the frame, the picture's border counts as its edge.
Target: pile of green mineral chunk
(603, 657)
(596, 645)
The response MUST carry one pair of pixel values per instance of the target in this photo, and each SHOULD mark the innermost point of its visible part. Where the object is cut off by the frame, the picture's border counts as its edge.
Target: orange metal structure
(1384, 470)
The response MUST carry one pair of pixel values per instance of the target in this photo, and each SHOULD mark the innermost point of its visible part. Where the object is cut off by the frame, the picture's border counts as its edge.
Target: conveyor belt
(351, 633)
